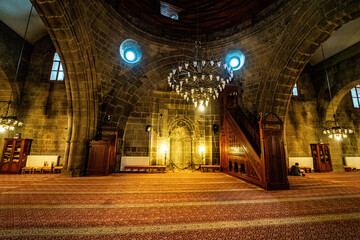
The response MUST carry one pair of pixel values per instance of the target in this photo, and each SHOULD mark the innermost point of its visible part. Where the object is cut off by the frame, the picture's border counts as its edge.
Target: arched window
(57, 71)
(295, 92)
(355, 95)
(230, 166)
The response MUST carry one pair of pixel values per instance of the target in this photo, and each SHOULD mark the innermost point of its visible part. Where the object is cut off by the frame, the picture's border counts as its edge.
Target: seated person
(296, 171)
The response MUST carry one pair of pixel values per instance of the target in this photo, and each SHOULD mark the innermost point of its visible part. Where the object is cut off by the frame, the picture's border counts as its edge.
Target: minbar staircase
(249, 149)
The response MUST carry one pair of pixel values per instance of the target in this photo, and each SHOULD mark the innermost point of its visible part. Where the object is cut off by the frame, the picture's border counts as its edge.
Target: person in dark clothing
(295, 170)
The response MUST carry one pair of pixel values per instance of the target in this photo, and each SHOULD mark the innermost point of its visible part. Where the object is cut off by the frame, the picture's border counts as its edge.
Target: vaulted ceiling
(15, 14)
(206, 16)
(213, 15)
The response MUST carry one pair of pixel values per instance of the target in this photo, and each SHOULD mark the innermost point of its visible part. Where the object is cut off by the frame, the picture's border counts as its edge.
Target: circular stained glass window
(235, 59)
(130, 51)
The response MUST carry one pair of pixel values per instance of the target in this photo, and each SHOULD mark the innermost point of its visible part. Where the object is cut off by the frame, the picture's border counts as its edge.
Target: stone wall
(277, 44)
(312, 111)
(39, 104)
(175, 127)
(351, 118)
(10, 47)
(44, 107)
(302, 124)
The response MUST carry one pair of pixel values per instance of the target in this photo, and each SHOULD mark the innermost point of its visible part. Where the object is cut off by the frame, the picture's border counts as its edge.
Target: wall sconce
(164, 149)
(202, 151)
(148, 128)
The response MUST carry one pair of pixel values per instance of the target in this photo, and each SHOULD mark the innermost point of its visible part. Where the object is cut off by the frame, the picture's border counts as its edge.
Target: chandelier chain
(10, 122)
(336, 131)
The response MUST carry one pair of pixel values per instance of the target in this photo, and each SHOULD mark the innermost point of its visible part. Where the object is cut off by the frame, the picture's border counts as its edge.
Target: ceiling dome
(189, 16)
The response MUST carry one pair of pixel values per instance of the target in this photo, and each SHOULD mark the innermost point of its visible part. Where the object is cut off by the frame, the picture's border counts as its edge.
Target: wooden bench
(40, 163)
(145, 168)
(26, 169)
(46, 169)
(57, 169)
(306, 169)
(37, 170)
(352, 163)
(350, 169)
(212, 167)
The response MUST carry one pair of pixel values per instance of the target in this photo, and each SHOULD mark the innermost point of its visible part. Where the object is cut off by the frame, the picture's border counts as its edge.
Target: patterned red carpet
(178, 206)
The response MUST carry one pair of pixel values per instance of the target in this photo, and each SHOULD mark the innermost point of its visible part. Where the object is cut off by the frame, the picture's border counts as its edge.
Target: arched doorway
(181, 146)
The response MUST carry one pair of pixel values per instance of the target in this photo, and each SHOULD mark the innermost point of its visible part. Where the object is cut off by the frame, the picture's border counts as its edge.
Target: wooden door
(98, 158)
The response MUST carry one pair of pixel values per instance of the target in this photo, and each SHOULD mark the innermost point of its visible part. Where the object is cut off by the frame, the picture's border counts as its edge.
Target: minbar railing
(249, 127)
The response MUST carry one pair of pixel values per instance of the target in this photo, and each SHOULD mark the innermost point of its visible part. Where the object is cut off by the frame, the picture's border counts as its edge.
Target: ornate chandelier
(337, 132)
(200, 79)
(9, 122)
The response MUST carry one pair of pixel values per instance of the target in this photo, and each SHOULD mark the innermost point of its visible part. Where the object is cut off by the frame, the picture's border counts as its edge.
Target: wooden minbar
(273, 152)
(250, 149)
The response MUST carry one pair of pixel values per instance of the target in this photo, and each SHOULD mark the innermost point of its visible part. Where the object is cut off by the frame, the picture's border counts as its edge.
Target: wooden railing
(238, 155)
(249, 127)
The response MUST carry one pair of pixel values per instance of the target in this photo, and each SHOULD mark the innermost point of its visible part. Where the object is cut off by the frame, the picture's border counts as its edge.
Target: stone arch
(319, 19)
(143, 80)
(69, 33)
(333, 105)
(185, 121)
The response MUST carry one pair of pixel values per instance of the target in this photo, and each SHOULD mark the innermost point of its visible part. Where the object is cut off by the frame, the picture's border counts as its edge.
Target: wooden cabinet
(321, 157)
(14, 154)
(101, 158)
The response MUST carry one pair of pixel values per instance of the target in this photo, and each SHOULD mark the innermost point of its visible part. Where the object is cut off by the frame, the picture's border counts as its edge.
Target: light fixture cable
(337, 131)
(328, 83)
(9, 123)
